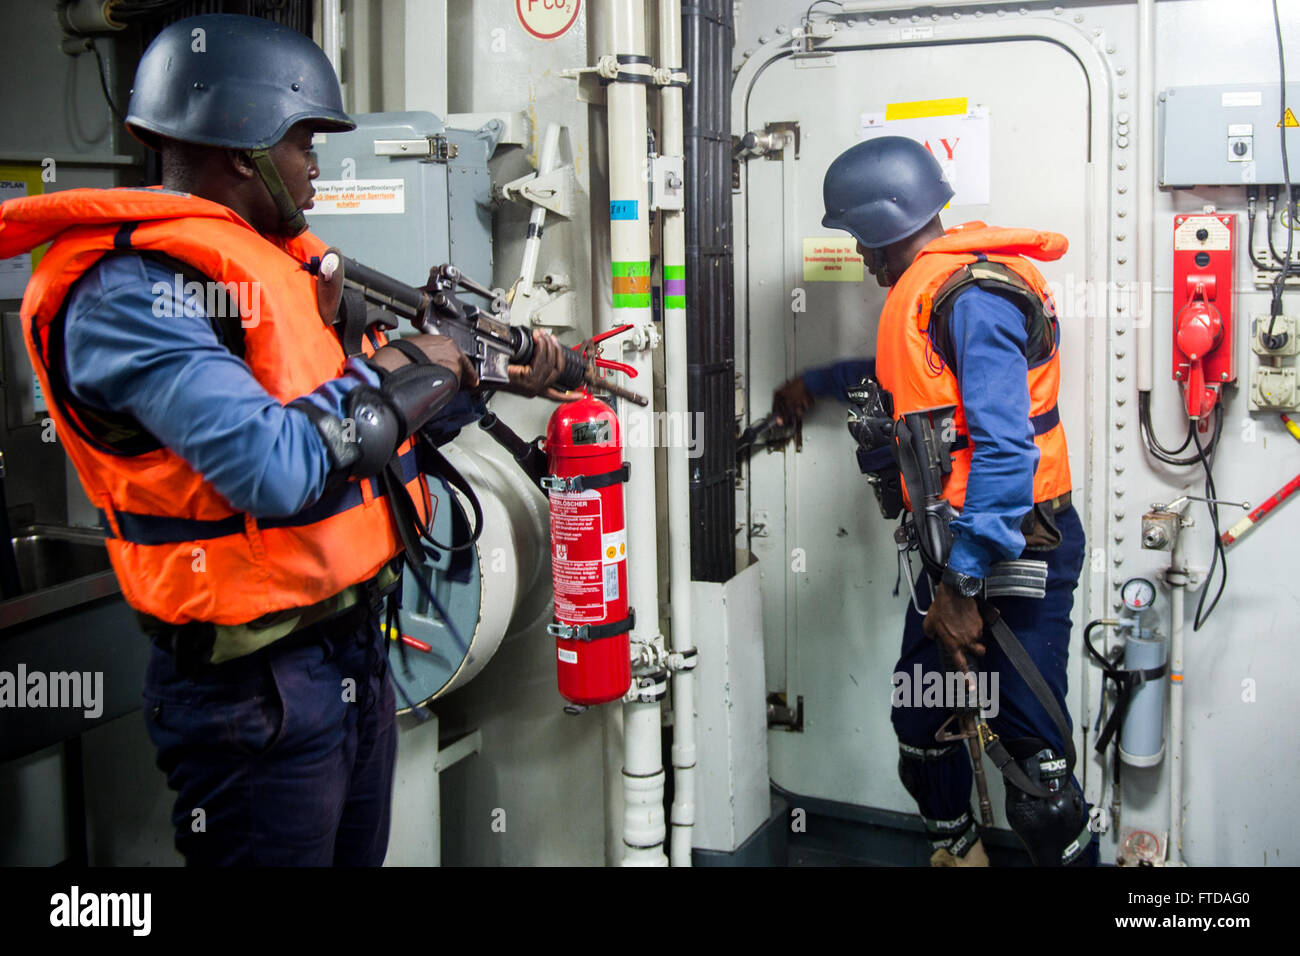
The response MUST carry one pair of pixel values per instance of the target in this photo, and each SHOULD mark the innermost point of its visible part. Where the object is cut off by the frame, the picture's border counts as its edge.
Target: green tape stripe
(626, 269)
(637, 300)
(674, 272)
(674, 302)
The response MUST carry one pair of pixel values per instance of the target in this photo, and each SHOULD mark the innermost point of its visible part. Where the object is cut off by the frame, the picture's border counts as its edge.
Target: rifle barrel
(396, 290)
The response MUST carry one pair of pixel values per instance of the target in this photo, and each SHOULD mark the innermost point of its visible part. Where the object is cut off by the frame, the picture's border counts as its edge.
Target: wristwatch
(965, 585)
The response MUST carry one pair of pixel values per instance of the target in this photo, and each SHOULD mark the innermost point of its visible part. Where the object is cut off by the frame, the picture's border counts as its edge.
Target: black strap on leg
(1012, 771)
(1029, 672)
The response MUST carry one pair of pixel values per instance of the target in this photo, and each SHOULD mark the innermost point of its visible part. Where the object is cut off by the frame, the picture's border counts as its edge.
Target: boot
(975, 856)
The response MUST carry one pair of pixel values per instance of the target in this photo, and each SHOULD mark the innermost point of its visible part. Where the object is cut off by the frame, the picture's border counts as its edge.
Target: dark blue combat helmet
(233, 81)
(883, 190)
(236, 82)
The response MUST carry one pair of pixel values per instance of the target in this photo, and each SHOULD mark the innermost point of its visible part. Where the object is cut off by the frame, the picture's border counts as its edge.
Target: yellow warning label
(1288, 118)
(919, 109)
(833, 259)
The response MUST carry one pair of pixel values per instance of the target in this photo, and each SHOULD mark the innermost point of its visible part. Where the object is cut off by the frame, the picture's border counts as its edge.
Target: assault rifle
(487, 338)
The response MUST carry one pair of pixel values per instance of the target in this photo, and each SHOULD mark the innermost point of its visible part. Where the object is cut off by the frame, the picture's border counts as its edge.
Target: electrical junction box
(1226, 135)
(403, 193)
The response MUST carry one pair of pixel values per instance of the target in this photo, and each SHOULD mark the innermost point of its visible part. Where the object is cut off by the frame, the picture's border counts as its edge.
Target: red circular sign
(547, 19)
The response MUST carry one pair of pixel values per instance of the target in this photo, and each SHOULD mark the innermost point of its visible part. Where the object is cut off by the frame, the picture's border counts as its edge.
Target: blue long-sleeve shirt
(989, 341)
(131, 347)
(834, 381)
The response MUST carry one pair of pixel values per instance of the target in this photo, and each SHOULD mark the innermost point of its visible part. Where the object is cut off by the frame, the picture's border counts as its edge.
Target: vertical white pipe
(643, 772)
(1177, 579)
(1146, 204)
(331, 25)
(672, 143)
(425, 57)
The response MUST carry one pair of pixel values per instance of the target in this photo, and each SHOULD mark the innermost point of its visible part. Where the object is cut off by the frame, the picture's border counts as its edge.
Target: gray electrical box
(1227, 135)
(402, 193)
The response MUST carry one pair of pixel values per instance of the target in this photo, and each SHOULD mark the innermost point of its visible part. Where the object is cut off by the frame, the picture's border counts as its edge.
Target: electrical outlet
(1284, 325)
(1273, 389)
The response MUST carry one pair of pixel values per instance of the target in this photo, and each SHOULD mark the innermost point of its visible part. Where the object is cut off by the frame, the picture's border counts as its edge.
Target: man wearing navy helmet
(243, 464)
(968, 324)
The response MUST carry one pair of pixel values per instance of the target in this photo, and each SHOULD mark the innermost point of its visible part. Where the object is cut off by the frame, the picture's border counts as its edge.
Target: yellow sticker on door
(832, 259)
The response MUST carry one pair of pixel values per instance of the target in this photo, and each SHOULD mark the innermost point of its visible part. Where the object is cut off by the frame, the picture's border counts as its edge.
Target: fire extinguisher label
(567, 657)
(613, 550)
(577, 556)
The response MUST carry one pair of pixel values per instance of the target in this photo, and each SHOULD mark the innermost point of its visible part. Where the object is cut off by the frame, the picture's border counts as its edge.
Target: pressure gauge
(1138, 594)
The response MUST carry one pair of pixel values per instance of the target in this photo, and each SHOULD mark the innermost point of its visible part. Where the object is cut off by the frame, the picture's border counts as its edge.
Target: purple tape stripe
(674, 287)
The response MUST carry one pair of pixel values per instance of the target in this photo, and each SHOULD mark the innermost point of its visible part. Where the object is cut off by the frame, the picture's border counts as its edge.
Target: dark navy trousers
(1043, 627)
(284, 757)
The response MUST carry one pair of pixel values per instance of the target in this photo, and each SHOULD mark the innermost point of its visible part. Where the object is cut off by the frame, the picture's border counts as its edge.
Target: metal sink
(48, 556)
(58, 568)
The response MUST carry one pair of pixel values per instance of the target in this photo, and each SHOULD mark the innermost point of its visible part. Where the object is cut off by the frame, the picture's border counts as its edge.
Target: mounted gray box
(1226, 135)
(402, 193)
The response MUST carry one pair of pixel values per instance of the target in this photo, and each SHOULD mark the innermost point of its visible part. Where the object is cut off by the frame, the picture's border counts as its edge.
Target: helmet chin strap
(292, 221)
(880, 267)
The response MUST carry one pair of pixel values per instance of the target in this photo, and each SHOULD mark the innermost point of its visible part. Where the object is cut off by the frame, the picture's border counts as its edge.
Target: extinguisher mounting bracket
(592, 632)
(580, 483)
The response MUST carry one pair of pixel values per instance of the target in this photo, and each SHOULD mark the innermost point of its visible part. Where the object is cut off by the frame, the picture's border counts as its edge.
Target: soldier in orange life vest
(969, 323)
(250, 528)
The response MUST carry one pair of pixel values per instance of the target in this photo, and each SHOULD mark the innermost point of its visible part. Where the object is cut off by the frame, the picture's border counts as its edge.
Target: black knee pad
(1053, 829)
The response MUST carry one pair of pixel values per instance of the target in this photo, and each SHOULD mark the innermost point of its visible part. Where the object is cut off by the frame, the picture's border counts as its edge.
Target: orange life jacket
(913, 371)
(180, 551)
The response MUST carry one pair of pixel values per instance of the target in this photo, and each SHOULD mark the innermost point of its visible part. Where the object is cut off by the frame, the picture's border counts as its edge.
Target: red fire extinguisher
(589, 551)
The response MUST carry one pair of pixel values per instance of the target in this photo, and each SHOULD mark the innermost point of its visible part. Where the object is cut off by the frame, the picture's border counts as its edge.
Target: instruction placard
(957, 135)
(338, 197)
(832, 259)
(15, 272)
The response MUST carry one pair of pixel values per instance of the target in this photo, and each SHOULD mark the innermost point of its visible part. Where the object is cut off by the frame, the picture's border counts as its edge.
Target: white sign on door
(958, 140)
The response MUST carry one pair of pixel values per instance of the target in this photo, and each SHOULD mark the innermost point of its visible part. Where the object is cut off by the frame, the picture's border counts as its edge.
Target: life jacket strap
(165, 529)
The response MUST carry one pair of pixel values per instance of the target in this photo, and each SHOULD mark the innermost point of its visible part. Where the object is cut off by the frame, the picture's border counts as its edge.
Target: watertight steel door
(828, 559)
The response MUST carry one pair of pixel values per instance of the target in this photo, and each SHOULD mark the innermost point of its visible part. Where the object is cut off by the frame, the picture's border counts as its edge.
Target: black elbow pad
(378, 420)
(382, 418)
(417, 393)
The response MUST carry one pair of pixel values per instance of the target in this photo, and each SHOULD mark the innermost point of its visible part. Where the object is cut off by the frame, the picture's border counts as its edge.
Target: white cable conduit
(1176, 578)
(643, 774)
(672, 143)
(1146, 204)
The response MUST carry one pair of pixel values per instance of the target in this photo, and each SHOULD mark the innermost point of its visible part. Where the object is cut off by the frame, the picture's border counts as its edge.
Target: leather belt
(1059, 503)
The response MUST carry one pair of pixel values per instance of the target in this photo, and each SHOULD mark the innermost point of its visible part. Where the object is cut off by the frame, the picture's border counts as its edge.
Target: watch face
(1138, 594)
(963, 584)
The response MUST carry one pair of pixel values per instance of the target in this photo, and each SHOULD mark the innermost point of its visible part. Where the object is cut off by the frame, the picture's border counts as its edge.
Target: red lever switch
(1199, 332)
